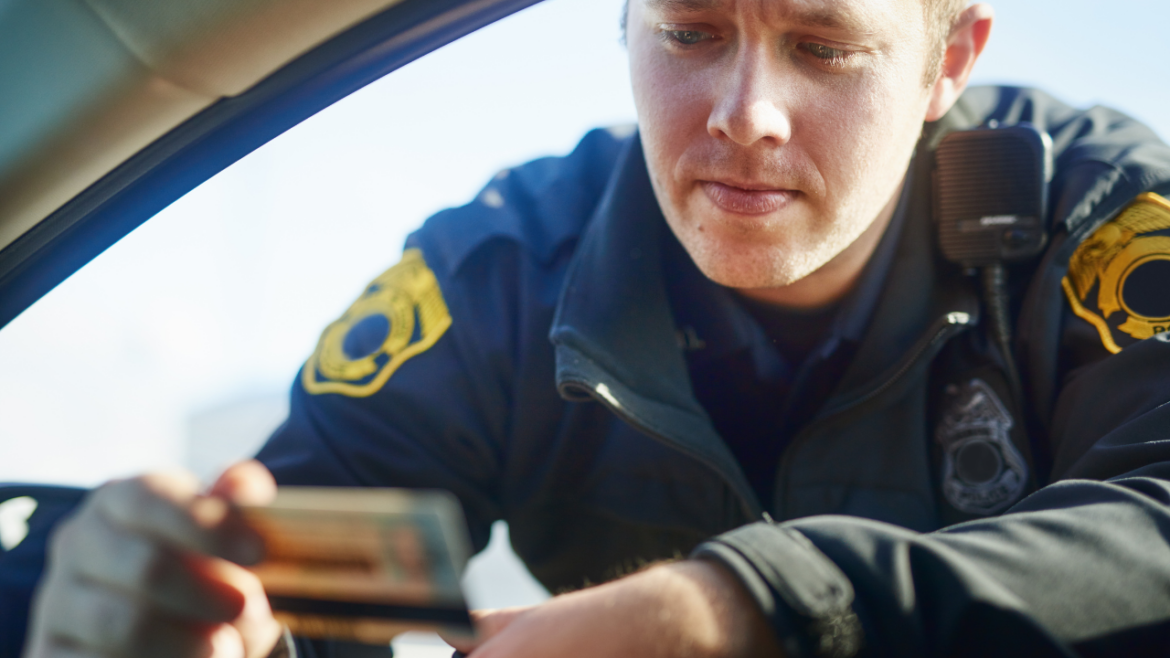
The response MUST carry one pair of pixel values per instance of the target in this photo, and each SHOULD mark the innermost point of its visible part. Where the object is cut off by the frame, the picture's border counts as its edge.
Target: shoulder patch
(1119, 278)
(400, 314)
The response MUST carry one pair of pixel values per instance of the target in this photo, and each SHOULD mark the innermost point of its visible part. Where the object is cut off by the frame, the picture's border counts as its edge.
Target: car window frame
(225, 132)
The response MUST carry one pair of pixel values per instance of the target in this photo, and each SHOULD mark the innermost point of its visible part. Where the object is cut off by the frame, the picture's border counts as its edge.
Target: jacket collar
(614, 332)
(919, 290)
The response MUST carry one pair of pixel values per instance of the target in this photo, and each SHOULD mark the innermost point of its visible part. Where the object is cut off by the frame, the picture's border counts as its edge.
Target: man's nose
(748, 106)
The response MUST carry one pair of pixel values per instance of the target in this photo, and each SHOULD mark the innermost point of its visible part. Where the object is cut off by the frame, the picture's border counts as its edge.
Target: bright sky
(197, 322)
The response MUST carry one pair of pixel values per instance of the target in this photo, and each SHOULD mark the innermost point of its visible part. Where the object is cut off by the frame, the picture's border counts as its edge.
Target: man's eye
(688, 37)
(830, 55)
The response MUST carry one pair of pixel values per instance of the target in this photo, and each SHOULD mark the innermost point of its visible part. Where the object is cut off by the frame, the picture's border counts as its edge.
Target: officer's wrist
(742, 628)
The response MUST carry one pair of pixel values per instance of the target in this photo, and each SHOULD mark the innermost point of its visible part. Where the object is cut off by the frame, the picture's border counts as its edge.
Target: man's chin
(741, 251)
(747, 270)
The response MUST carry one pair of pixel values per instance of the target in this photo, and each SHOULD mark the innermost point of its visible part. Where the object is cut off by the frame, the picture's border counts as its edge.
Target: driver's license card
(363, 565)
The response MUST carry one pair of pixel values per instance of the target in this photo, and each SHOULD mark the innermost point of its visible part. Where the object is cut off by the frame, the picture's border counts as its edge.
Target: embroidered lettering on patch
(400, 315)
(1119, 279)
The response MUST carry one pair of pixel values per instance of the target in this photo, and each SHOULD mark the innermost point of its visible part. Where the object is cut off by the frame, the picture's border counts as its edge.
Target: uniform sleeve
(414, 385)
(436, 421)
(1079, 568)
(397, 394)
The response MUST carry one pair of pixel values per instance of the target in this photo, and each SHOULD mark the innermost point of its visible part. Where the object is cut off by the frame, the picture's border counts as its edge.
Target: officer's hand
(149, 567)
(691, 609)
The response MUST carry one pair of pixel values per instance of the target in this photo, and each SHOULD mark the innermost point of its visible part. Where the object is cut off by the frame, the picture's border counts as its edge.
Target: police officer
(731, 336)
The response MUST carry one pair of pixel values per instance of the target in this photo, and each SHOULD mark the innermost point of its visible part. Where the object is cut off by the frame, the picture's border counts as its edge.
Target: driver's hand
(150, 567)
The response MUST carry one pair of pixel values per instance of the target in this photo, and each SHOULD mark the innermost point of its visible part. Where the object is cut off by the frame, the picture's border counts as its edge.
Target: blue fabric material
(366, 336)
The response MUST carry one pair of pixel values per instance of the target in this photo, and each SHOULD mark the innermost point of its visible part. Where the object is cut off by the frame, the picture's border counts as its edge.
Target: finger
(143, 568)
(257, 629)
(168, 508)
(105, 621)
(252, 631)
(226, 642)
(246, 483)
(488, 624)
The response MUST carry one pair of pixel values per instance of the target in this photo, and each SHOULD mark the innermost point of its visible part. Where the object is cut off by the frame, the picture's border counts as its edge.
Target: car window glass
(177, 346)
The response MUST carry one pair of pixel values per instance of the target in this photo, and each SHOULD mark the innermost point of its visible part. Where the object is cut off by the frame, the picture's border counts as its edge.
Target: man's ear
(964, 45)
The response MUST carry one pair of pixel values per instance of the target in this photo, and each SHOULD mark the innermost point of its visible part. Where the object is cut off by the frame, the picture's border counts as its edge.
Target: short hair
(940, 17)
(940, 20)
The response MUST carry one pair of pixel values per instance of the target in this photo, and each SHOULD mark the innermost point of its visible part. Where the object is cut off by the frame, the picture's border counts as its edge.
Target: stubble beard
(777, 261)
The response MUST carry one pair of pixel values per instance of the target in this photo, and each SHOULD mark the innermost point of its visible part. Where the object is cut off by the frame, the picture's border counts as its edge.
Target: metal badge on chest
(983, 473)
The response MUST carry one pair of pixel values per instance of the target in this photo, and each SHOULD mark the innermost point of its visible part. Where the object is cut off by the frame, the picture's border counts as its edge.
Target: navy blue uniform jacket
(561, 400)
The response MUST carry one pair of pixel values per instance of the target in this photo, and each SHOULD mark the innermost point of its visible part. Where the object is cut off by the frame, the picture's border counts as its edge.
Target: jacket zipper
(601, 393)
(941, 332)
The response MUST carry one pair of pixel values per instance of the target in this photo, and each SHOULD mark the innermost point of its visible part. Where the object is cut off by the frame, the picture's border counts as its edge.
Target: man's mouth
(747, 199)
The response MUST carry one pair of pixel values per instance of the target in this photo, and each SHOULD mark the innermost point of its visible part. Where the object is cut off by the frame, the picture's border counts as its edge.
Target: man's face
(776, 131)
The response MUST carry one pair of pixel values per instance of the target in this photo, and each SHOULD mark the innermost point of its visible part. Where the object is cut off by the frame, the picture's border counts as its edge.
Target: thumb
(254, 632)
(245, 483)
(488, 624)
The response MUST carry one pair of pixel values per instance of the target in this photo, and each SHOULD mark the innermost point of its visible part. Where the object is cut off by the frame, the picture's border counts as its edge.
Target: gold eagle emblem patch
(1119, 279)
(400, 314)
